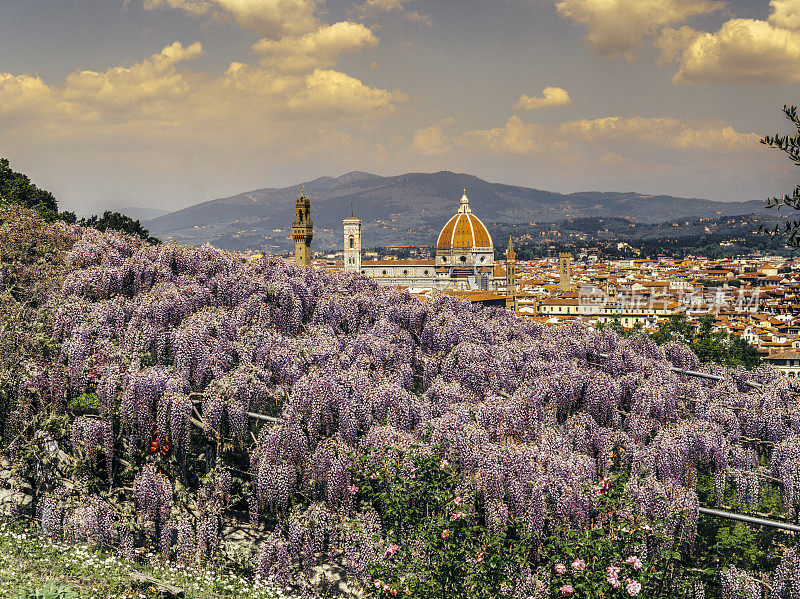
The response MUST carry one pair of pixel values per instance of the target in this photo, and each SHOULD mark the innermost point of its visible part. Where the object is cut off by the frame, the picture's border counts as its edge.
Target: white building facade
(464, 257)
(352, 244)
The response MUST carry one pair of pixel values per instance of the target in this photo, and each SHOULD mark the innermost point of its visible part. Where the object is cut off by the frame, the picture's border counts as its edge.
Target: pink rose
(579, 565)
(567, 590)
(632, 587)
(457, 500)
(444, 464)
(603, 487)
(480, 557)
(612, 578)
(373, 476)
(393, 592)
(392, 549)
(458, 515)
(445, 533)
(561, 568)
(378, 583)
(353, 489)
(634, 562)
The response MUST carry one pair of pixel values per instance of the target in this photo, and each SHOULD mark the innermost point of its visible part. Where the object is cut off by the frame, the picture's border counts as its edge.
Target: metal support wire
(719, 513)
(703, 510)
(750, 519)
(251, 414)
(695, 373)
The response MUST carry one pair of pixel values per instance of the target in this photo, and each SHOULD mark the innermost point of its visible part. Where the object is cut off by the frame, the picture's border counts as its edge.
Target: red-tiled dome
(464, 231)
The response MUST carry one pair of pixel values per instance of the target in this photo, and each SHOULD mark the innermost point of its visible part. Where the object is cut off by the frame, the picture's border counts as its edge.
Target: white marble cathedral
(464, 257)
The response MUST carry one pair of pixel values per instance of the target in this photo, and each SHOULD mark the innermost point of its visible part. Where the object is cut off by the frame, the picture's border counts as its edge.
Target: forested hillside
(408, 209)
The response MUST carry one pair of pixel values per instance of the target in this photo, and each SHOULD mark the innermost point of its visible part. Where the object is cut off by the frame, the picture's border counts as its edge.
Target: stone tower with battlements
(302, 230)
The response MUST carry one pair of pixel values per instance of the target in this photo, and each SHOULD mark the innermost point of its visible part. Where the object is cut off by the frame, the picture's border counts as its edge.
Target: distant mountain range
(408, 209)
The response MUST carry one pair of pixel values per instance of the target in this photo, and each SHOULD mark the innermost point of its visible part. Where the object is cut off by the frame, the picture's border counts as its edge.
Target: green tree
(16, 188)
(709, 345)
(790, 145)
(117, 221)
(676, 328)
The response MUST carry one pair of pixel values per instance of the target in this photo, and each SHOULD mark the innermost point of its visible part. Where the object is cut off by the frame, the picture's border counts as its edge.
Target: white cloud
(270, 18)
(131, 88)
(686, 157)
(618, 27)
(321, 48)
(387, 5)
(415, 17)
(515, 137)
(141, 91)
(340, 94)
(785, 13)
(431, 141)
(614, 137)
(551, 96)
(160, 128)
(672, 42)
(397, 6)
(157, 98)
(660, 132)
(20, 94)
(743, 50)
(195, 7)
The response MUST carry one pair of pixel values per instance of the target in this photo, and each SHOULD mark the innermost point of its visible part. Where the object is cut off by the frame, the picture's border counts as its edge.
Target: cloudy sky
(166, 103)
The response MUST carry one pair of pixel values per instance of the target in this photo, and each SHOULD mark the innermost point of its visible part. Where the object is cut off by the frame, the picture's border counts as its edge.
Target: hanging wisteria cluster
(92, 437)
(153, 493)
(179, 344)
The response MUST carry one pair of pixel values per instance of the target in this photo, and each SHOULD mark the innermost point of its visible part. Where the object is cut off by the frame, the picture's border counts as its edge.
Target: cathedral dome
(464, 231)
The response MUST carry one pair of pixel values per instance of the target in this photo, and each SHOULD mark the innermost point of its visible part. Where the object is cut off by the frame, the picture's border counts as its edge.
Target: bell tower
(511, 277)
(564, 272)
(352, 243)
(302, 229)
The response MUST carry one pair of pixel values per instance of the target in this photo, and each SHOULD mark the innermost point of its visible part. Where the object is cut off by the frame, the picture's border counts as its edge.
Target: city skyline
(168, 103)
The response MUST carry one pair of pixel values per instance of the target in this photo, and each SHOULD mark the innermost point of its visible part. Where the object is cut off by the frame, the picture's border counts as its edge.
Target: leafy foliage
(710, 346)
(17, 189)
(789, 145)
(48, 590)
(116, 221)
(435, 544)
(717, 347)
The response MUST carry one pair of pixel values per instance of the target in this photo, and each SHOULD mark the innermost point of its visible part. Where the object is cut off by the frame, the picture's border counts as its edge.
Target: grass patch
(31, 563)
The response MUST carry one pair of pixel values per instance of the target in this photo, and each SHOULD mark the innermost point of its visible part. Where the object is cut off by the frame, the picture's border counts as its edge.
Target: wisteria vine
(176, 341)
